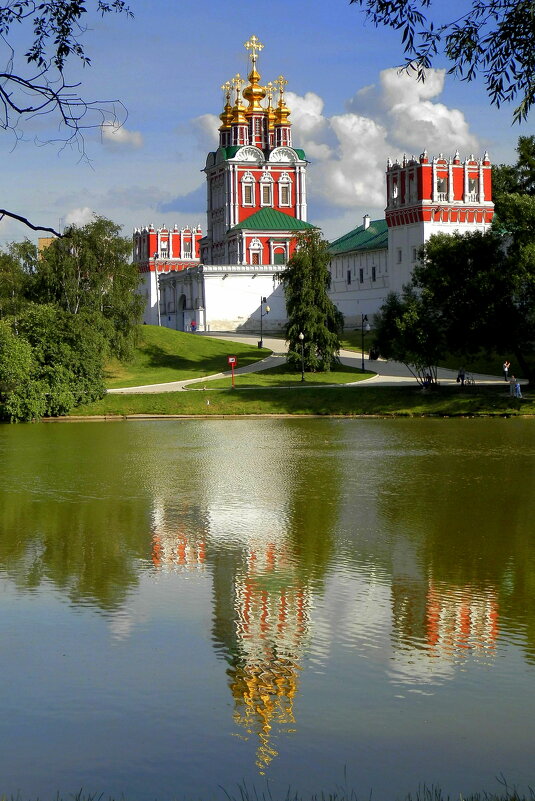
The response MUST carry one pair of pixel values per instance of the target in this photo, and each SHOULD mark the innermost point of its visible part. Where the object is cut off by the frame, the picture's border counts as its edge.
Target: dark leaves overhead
(494, 39)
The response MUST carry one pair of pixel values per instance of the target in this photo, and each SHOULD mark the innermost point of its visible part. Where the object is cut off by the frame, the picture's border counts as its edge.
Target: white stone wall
(223, 298)
(147, 290)
(353, 297)
(406, 240)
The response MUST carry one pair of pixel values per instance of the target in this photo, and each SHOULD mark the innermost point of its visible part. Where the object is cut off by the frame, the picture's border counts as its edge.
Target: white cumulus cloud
(80, 216)
(349, 150)
(118, 136)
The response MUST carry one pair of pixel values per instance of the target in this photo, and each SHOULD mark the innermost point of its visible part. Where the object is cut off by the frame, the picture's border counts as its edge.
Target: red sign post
(232, 360)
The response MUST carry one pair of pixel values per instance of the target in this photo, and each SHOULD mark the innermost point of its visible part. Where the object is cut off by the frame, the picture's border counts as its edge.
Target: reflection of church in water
(260, 621)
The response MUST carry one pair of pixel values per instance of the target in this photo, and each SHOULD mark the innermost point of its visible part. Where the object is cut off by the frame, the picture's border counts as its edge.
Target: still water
(190, 605)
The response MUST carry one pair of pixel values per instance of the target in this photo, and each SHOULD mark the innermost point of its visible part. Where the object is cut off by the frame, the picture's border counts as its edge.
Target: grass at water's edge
(253, 793)
(307, 400)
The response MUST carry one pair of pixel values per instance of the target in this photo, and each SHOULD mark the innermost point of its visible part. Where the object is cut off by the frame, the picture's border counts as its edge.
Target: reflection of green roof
(374, 237)
(271, 220)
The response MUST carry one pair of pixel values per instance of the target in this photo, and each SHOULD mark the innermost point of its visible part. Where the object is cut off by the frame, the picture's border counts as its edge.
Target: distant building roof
(269, 219)
(374, 237)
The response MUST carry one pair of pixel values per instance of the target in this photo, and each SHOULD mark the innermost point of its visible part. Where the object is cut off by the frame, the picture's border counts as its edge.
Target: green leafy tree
(408, 330)
(516, 178)
(89, 271)
(306, 282)
(493, 38)
(21, 396)
(68, 352)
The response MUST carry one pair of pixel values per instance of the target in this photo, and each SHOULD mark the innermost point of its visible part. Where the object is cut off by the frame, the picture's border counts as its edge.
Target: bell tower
(256, 180)
(429, 196)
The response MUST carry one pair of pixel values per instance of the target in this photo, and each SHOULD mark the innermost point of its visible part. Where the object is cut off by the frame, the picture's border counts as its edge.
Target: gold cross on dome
(255, 46)
(270, 88)
(237, 83)
(281, 83)
(227, 86)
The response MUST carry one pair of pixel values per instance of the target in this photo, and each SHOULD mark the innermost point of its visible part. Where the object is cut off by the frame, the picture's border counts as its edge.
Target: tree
(89, 271)
(408, 330)
(469, 292)
(20, 397)
(494, 38)
(516, 178)
(37, 83)
(310, 311)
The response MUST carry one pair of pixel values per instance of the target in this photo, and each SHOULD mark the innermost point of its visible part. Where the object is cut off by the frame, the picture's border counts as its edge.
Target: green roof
(231, 151)
(271, 220)
(374, 237)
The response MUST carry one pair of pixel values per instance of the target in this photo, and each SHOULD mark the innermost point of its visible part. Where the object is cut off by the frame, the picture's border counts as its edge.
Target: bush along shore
(346, 401)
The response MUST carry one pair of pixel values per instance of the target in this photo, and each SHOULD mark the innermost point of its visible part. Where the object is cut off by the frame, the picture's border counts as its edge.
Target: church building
(256, 204)
(228, 279)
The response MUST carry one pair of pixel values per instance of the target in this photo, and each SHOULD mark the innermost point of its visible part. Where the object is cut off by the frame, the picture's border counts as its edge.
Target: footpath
(387, 373)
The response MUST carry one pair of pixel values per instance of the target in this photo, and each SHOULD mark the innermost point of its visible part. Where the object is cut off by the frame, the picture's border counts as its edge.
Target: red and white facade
(158, 251)
(430, 196)
(256, 204)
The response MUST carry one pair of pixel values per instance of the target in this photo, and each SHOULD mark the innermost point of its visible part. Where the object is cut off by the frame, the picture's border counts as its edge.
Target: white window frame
(255, 247)
(248, 181)
(266, 182)
(285, 181)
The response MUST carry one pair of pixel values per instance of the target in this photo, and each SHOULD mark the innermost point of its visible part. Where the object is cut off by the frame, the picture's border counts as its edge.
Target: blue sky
(350, 111)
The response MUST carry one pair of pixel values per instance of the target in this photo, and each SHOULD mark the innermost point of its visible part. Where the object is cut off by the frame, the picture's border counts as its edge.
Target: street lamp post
(263, 312)
(301, 339)
(362, 329)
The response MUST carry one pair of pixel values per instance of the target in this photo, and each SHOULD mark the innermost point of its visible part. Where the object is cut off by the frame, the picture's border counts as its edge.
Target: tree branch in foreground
(25, 221)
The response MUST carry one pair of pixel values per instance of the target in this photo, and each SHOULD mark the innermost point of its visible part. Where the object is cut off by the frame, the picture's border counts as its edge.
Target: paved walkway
(388, 374)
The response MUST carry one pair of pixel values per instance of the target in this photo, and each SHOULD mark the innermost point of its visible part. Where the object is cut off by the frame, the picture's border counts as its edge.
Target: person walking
(512, 386)
(506, 366)
(518, 391)
(461, 376)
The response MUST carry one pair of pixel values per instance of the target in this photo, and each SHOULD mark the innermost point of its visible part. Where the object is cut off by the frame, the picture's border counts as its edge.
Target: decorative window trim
(285, 182)
(255, 248)
(266, 189)
(248, 181)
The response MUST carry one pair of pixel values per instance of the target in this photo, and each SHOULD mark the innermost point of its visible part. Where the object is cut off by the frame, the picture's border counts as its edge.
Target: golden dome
(227, 115)
(238, 111)
(282, 112)
(254, 93)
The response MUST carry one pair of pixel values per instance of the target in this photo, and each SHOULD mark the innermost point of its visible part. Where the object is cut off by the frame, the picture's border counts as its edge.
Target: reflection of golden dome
(264, 694)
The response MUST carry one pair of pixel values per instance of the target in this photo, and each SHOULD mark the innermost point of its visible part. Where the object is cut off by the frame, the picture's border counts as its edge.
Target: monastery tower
(256, 191)
(434, 196)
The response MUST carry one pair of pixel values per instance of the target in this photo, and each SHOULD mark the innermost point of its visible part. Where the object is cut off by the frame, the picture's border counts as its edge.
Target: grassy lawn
(165, 355)
(351, 340)
(280, 376)
(362, 400)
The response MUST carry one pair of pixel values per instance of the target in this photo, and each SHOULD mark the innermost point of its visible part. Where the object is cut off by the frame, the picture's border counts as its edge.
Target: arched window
(255, 251)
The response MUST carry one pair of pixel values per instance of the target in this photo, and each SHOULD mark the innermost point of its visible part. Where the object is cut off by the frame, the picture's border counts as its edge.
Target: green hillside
(164, 355)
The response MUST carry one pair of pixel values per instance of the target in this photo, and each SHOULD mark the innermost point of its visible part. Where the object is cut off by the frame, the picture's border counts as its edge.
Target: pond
(315, 604)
